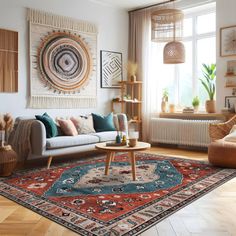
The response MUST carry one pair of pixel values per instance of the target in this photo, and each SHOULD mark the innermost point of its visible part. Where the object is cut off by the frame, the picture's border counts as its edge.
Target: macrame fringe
(38, 102)
(62, 22)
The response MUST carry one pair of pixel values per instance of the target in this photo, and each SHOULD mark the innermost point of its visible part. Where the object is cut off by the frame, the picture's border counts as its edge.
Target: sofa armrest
(38, 138)
(121, 122)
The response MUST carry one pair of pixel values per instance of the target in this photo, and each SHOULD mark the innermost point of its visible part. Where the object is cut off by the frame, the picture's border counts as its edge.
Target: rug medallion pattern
(79, 196)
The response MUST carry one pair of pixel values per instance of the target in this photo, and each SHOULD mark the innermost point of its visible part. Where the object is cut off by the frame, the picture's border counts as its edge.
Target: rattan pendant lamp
(167, 26)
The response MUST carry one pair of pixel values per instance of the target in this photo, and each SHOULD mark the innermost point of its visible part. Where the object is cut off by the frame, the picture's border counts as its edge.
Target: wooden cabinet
(131, 103)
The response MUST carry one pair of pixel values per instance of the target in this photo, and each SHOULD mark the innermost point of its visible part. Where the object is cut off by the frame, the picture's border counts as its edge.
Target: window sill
(197, 116)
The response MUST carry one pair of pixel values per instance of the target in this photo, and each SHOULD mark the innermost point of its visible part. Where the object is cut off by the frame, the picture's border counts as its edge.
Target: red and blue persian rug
(79, 196)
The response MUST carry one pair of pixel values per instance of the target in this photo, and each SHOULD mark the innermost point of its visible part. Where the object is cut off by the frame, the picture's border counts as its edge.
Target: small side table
(8, 160)
(111, 150)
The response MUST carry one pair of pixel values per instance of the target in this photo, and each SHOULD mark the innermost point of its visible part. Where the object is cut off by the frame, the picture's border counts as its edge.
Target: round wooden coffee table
(111, 150)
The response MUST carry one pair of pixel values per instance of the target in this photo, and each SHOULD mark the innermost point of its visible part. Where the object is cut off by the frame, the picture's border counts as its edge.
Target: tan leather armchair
(220, 152)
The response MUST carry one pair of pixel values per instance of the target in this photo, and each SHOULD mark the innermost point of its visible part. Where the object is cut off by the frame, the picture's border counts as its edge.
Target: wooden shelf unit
(133, 106)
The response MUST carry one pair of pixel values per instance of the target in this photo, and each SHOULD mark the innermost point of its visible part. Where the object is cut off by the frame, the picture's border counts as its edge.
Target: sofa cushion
(103, 123)
(50, 126)
(68, 127)
(83, 124)
(70, 141)
(231, 137)
(106, 136)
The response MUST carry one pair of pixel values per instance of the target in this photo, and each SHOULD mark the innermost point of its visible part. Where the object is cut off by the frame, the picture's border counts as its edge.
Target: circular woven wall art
(64, 61)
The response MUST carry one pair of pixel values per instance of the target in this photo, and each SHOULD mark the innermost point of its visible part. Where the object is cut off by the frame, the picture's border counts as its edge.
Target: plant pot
(172, 108)
(196, 108)
(164, 106)
(210, 106)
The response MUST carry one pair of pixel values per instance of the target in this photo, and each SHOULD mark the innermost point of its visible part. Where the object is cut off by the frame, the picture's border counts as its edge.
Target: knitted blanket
(20, 138)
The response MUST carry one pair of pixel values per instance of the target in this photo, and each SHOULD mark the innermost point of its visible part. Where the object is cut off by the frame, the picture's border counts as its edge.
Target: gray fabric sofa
(63, 145)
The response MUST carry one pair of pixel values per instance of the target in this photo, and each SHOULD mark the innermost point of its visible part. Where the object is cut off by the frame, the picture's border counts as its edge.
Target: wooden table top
(139, 147)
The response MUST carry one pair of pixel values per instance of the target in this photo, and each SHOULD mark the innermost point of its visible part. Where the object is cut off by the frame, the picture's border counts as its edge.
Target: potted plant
(164, 102)
(208, 82)
(6, 125)
(195, 103)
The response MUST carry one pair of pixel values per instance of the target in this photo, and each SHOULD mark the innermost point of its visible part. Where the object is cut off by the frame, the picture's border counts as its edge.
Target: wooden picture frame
(228, 41)
(230, 103)
(111, 69)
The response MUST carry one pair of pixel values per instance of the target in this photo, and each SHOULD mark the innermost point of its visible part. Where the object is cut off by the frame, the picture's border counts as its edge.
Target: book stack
(188, 110)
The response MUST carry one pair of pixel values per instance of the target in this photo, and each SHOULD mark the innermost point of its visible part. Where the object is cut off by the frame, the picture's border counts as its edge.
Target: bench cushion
(70, 141)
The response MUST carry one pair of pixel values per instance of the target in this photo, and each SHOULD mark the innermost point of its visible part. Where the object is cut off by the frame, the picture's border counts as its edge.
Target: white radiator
(182, 132)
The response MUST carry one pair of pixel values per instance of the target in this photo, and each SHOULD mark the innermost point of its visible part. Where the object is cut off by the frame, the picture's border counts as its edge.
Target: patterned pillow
(67, 127)
(83, 124)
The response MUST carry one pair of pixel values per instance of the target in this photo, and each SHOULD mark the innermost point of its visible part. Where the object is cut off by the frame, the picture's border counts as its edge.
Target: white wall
(226, 16)
(112, 35)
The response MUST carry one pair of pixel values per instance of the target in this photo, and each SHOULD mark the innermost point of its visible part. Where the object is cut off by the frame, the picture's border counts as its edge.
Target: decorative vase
(8, 160)
(172, 108)
(164, 105)
(210, 106)
(118, 138)
(2, 138)
(196, 108)
(133, 78)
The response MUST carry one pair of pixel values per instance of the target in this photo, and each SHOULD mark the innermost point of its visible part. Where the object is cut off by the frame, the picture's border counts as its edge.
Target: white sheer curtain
(140, 52)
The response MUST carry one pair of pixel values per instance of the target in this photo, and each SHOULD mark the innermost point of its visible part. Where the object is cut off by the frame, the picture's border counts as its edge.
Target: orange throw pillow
(67, 127)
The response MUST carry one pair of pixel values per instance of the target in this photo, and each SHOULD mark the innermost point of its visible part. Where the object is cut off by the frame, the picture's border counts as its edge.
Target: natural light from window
(182, 80)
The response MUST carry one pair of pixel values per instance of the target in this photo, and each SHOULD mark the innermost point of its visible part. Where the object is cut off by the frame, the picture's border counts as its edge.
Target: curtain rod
(154, 5)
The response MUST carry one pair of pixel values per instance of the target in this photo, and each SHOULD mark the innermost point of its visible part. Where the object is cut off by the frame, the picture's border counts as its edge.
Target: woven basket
(8, 160)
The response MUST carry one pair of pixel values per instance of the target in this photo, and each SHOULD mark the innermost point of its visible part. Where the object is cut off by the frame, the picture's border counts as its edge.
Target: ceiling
(127, 4)
(134, 4)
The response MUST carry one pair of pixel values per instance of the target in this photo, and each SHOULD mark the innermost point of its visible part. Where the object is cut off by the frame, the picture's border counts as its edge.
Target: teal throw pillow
(50, 126)
(103, 123)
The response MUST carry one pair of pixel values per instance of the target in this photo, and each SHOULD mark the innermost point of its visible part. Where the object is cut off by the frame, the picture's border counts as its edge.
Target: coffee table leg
(133, 164)
(108, 162)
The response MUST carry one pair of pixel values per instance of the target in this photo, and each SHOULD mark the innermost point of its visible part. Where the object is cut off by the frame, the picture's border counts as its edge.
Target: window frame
(194, 39)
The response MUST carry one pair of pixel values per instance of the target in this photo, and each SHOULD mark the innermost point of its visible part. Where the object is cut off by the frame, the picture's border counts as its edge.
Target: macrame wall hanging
(63, 61)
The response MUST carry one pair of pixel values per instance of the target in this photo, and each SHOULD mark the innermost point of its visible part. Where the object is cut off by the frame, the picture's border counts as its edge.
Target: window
(182, 80)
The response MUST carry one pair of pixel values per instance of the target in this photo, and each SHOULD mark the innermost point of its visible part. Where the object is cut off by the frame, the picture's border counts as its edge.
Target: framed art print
(228, 41)
(230, 103)
(111, 69)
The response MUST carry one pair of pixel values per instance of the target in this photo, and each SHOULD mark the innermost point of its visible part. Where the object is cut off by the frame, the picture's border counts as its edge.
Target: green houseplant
(195, 103)
(208, 82)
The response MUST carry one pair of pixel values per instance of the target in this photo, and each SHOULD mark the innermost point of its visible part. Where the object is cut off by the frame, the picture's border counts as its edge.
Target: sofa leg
(49, 162)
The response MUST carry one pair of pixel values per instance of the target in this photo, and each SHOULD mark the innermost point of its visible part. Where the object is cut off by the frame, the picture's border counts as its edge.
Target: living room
(67, 117)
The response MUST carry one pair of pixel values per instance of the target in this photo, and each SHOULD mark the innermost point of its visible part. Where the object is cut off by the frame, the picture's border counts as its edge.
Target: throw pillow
(231, 137)
(67, 127)
(50, 126)
(83, 124)
(103, 123)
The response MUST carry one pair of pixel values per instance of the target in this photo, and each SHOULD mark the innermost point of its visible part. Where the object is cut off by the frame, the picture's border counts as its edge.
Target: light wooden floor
(212, 215)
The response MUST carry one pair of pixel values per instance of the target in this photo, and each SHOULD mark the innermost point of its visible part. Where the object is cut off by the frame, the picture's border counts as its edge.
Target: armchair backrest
(220, 130)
